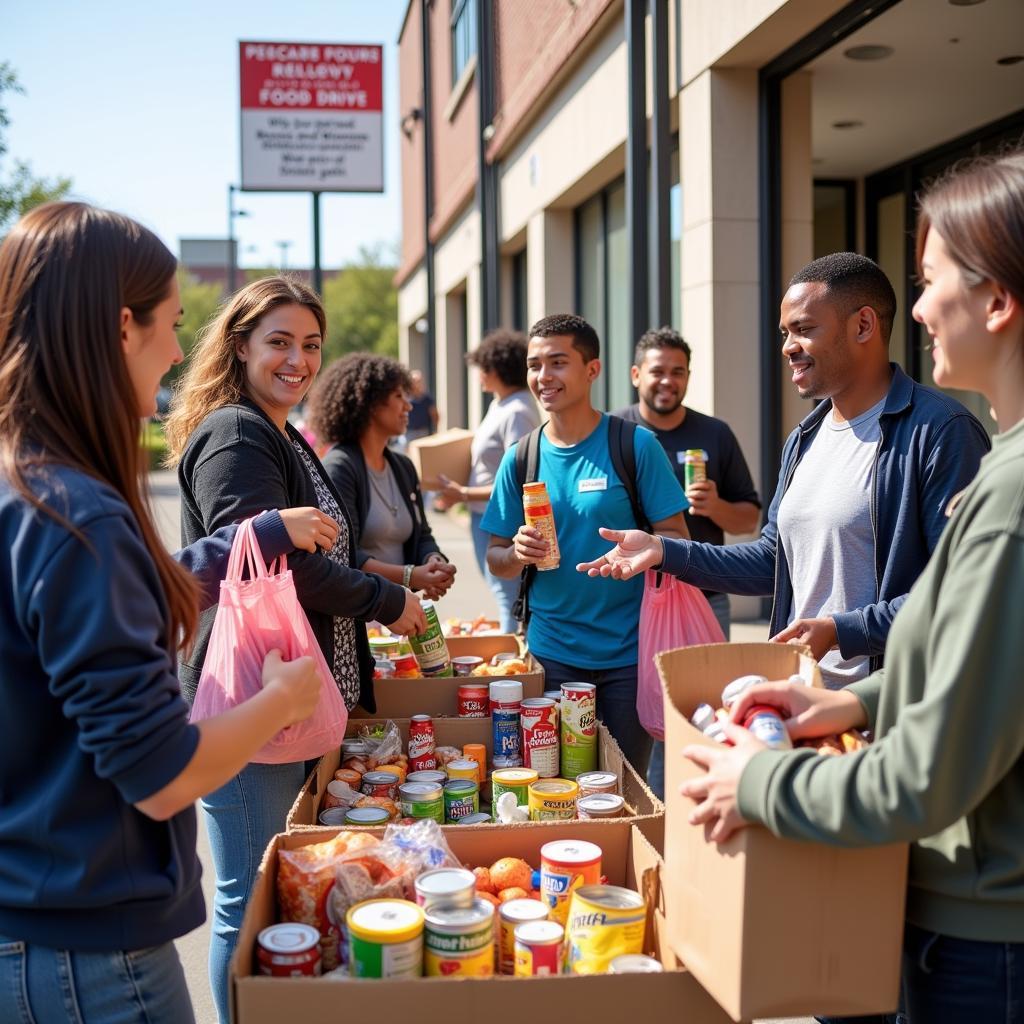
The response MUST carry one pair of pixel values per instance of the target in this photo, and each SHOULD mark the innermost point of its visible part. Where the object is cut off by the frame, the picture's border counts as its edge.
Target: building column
(549, 264)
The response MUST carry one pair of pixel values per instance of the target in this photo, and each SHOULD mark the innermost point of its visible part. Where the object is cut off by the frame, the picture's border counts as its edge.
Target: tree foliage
(362, 307)
(21, 190)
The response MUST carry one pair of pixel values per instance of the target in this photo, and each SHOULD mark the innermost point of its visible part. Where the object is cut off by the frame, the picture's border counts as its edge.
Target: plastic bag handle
(245, 552)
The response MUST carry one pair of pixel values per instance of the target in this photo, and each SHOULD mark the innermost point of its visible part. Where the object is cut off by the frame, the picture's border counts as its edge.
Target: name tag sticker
(599, 483)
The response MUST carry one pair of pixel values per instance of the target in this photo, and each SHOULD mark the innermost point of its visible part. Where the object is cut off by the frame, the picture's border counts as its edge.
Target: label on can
(538, 513)
(473, 700)
(289, 951)
(512, 780)
(421, 744)
(513, 914)
(385, 939)
(553, 800)
(461, 798)
(459, 941)
(565, 865)
(378, 783)
(695, 466)
(597, 782)
(422, 800)
(539, 724)
(579, 729)
(767, 725)
(605, 922)
(430, 647)
(505, 719)
(538, 949)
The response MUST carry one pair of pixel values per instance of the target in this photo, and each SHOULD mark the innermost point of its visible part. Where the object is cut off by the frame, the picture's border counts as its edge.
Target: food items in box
(553, 800)
(446, 885)
(600, 805)
(512, 780)
(430, 646)
(597, 782)
(366, 816)
(459, 941)
(604, 922)
(508, 812)
(470, 627)
(406, 666)
(422, 800)
(466, 664)
(635, 963)
(506, 697)
(339, 794)
(422, 744)
(474, 701)
(578, 729)
(477, 752)
(433, 776)
(480, 818)
(461, 798)
(348, 776)
(511, 666)
(462, 768)
(385, 939)
(566, 865)
(540, 736)
(377, 783)
(538, 948)
(385, 803)
(509, 872)
(289, 951)
(767, 725)
(511, 915)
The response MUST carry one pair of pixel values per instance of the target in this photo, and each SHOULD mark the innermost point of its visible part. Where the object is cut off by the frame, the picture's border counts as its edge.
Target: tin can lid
(445, 881)
(364, 816)
(612, 896)
(732, 690)
(421, 718)
(537, 702)
(337, 815)
(385, 920)
(467, 659)
(474, 819)
(540, 933)
(383, 643)
(453, 920)
(577, 687)
(464, 764)
(555, 787)
(520, 911)
(379, 778)
(571, 851)
(461, 786)
(288, 938)
(515, 776)
(597, 779)
(635, 963)
(602, 803)
(427, 775)
(506, 690)
(420, 790)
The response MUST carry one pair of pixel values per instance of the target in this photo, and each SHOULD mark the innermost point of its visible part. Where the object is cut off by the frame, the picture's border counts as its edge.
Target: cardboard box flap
(447, 453)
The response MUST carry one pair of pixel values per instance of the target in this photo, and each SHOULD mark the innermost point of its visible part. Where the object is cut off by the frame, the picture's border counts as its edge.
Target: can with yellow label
(553, 800)
(604, 922)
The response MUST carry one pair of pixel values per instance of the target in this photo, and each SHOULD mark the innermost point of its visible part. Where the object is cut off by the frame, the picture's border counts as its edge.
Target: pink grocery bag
(672, 614)
(255, 616)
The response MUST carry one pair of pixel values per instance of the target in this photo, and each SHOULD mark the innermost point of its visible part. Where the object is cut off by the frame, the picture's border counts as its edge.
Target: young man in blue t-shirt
(579, 630)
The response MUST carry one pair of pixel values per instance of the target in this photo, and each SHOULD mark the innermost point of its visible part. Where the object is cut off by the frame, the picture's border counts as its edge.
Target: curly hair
(341, 402)
(503, 352)
(658, 338)
(584, 337)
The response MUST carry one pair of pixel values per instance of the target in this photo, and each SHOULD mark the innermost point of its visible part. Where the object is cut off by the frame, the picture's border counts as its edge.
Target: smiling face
(661, 379)
(818, 342)
(281, 357)
(150, 350)
(557, 374)
(391, 417)
(954, 316)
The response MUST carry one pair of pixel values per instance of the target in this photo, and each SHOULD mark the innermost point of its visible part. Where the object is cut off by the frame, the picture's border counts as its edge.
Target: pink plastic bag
(673, 614)
(255, 616)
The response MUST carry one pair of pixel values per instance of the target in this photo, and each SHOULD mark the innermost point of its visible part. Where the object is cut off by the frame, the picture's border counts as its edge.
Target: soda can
(695, 466)
(406, 666)
(538, 949)
(506, 696)
(512, 914)
(421, 744)
(579, 729)
(605, 922)
(537, 513)
(430, 647)
(539, 722)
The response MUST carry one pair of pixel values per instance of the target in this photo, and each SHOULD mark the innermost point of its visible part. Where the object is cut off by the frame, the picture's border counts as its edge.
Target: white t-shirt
(825, 530)
(505, 421)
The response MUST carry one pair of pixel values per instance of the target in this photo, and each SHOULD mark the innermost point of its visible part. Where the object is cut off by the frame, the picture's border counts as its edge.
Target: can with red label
(421, 744)
(538, 719)
(538, 948)
(380, 784)
(474, 701)
(289, 951)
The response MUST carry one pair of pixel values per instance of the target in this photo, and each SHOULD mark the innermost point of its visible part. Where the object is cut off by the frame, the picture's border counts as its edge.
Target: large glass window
(591, 274)
(519, 291)
(463, 24)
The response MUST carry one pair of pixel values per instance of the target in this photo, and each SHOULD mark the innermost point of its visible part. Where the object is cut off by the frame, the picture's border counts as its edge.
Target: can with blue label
(506, 697)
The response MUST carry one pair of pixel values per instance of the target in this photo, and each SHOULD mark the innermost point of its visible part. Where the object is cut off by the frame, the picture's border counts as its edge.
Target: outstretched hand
(634, 551)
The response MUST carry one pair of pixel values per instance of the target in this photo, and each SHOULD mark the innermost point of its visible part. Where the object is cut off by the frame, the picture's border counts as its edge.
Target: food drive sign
(312, 117)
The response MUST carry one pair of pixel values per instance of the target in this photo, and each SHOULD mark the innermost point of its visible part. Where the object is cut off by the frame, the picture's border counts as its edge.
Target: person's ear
(866, 324)
(241, 351)
(1001, 308)
(128, 329)
(634, 376)
(593, 369)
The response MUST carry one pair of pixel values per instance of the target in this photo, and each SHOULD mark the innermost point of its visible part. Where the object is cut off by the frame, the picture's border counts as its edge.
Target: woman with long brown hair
(237, 454)
(100, 766)
(946, 770)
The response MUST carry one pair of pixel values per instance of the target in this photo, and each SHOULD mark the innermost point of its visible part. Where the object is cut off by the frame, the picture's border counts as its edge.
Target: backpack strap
(622, 449)
(527, 466)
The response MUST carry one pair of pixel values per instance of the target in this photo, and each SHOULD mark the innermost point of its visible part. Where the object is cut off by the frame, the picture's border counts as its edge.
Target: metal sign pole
(318, 277)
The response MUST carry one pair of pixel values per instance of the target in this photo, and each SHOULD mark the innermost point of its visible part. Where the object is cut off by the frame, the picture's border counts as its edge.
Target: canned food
(421, 743)
(767, 725)
(367, 816)
(459, 941)
(480, 818)
(465, 663)
(383, 668)
(605, 921)
(600, 805)
(385, 939)
(434, 776)
(553, 800)
(539, 723)
(505, 697)
(703, 716)
(446, 885)
(695, 466)
(474, 701)
(379, 783)
(349, 776)
(565, 865)
(461, 798)
(422, 800)
(336, 816)
(430, 646)
(512, 780)
(477, 752)
(597, 782)
(384, 646)
(578, 729)
(406, 666)
(538, 948)
(391, 769)
(635, 963)
(538, 514)
(463, 768)
(733, 690)
(555, 695)
(338, 794)
(511, 915)
(289, 951)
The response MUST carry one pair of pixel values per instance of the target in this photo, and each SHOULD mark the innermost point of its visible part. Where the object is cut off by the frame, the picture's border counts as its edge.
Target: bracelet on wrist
(407, 576)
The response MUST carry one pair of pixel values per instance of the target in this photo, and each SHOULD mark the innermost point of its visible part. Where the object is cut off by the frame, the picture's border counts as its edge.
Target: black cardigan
(346, 466)
(237, 463)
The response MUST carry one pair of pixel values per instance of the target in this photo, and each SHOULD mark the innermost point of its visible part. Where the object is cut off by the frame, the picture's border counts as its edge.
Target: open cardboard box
(456, 732)
(772, 927)
(627, 859)
(447, 452)
(428, 695)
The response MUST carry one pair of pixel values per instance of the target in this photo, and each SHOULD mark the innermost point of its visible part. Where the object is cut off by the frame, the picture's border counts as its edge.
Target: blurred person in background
(422, 409)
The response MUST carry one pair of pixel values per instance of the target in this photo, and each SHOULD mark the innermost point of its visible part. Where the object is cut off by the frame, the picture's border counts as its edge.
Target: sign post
(312, 121)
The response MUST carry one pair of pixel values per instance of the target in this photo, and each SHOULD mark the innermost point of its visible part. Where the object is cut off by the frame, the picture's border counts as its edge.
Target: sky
(137, 102)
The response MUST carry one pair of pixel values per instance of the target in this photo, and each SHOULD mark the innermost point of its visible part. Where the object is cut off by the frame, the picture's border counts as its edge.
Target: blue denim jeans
(656, 769)
(57, 986)
(616, 704)
(505, 591)
(241, 819)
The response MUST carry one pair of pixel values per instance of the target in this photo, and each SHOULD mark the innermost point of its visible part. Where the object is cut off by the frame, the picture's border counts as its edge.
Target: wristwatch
(407, 576)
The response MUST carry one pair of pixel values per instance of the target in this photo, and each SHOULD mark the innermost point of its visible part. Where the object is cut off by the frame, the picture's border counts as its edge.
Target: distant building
(208, 260)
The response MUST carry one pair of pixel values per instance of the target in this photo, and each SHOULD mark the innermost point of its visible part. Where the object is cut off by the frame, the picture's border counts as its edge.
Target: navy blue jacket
(930, 450)
(93, 722)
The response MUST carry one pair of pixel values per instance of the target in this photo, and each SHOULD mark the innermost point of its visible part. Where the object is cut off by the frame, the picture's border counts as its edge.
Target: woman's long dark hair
(66, 397)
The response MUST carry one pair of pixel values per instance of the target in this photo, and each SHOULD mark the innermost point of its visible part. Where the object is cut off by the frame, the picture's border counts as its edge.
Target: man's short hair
(503, 352)
(584, 337)
(854, 281)
(660, 337)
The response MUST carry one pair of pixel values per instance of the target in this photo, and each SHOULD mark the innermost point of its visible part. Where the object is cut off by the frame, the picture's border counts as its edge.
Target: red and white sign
(312, 117)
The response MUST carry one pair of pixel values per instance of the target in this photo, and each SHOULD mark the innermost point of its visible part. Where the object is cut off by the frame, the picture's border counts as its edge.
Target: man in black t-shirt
(727, 501)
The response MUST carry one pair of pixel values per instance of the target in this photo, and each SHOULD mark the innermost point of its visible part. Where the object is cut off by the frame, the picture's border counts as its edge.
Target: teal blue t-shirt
(590, 623)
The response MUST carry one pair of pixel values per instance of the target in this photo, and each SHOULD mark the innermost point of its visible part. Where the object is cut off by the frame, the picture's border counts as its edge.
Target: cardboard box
(457, 732)
(628, 859)
(422, 695)
(772, 927)
(444, 453)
